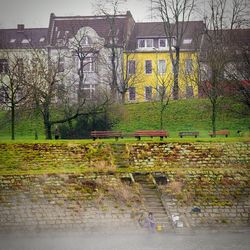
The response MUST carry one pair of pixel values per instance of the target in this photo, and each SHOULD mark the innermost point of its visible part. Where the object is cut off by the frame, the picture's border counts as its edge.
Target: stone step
(151, 196)
(153, 200)
(160, 211)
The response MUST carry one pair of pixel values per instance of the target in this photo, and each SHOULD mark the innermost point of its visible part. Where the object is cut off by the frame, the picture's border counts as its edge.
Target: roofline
(78, 17)
(12, 29)
(158, 51)
(197, 21)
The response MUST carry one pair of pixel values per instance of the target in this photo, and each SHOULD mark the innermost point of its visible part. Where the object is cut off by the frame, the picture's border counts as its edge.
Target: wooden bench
(220, 132)
(106, 134)
(150, 133)
(195, 134)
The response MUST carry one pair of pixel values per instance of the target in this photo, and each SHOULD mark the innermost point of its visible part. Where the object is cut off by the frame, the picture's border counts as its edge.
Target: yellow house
(149, 66)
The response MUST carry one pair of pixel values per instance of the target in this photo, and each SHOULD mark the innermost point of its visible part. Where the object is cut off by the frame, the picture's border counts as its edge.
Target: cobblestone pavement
(126, 240)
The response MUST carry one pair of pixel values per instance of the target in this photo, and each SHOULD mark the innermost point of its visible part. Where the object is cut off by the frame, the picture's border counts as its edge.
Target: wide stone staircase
(153, 202)
(120, 155)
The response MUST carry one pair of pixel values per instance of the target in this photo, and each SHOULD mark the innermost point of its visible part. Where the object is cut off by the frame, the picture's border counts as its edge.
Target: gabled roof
(156, 30)
(227, 41)
(22, 38)
(62, 26)
(230, 38)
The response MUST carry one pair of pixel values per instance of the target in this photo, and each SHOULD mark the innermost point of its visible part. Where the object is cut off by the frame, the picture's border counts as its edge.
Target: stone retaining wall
(61, 201)
(189, 155)
(90, 200)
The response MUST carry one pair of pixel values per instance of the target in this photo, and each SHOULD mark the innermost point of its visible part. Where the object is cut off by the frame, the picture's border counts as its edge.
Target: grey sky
(35, 13)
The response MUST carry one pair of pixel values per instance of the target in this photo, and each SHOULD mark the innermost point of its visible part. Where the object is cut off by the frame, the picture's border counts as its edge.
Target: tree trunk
(161, 117)
(48, 131)
(12, 122)
(123, 97)
(80, 86)
(213, 117)
(176, 74)
(47, 123)
(114, 76)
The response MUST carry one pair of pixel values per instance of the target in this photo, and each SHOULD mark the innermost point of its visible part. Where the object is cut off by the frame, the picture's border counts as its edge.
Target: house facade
(17, 48)
(111, 54)
(149, 57)
(82, 47)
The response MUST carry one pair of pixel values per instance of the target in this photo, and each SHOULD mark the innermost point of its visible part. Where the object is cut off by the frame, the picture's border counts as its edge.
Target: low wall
(194, 155)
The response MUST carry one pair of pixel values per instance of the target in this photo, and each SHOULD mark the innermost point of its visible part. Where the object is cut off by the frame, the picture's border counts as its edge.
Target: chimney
(20, 27)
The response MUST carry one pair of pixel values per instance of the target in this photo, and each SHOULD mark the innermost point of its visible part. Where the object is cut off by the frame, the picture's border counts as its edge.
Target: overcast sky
(35, 13)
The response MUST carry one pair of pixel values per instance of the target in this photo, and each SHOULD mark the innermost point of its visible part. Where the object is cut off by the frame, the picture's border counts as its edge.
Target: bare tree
(163, 93)
(216, 49)
(119, 78)
(238, 69)
(87, 51)
(175, 16)
(13, 84)
(50, 92)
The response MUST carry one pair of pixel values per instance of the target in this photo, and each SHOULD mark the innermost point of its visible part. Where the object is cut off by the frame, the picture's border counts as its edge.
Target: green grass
(184, 115)
(181, 115)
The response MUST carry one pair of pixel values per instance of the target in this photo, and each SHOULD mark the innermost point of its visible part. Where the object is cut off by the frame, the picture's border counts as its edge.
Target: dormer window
(25, 41)
(115, 40)
(13, 40)
(66, 33)
(42, 39)
(187, 41)
(163, 43)
(145, 43)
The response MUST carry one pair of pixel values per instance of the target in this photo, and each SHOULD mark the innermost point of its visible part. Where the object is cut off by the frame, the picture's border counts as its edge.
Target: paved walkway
(127, 240)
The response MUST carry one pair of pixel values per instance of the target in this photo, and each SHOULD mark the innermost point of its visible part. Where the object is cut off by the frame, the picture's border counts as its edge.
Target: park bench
(150, 133)
(220, 132)
(105, 134)
(195, 134)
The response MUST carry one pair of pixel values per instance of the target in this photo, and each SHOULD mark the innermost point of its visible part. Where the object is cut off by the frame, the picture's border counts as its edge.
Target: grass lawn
(181, 115)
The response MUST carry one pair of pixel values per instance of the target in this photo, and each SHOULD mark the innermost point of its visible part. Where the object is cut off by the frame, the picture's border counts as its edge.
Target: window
(188, 66)
(42, 39)
(189, 91)
(145, 43)
(148, 67)
(88, 91)
(60, 64)
(3, 66)
(141, 43)
(149, 43)
(163, 43)
(12, 40)
(162, 92)
(88, 64)
(148, 93)
(3, 95)
(173, 41)
(187, 41)
(25, 41)
(85, 41)
(20, 65)
(161, 66)
(131, 93)
(131, 67)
